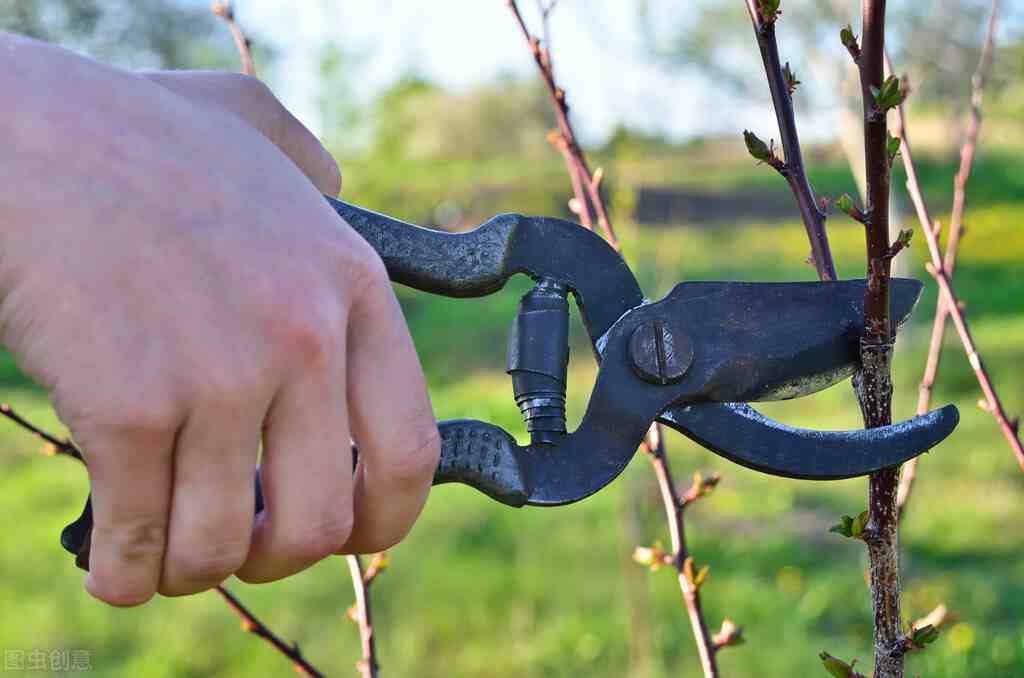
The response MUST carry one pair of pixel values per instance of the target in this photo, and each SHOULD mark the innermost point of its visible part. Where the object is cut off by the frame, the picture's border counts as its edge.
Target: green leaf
(847, 37)
(845, 203)
(757, 148)
(904, 237)
(926, 635)
(858, 523)
(835, 667)
(843, 527)
(769, 9)
(790, 77)
(889, 95)
(701, 576)
(892, 146)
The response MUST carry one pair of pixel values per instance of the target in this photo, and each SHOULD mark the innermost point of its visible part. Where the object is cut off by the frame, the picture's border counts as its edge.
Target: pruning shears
(691, 361)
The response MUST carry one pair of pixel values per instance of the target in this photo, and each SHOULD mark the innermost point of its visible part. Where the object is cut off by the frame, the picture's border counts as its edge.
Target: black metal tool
(692, 361)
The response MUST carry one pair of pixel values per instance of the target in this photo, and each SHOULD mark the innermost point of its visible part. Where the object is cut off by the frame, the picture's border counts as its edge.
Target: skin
(171, 275)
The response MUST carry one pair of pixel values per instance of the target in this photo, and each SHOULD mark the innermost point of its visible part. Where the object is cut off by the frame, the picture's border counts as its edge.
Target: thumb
(250, 99)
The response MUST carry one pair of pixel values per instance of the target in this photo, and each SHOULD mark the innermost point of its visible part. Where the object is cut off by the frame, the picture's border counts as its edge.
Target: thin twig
(252, 624)
(582, 178)
(942, 266)
(674, 508)
(586, 184)
(63, 447)
(362, 613)
(226, 11)
(792, 170)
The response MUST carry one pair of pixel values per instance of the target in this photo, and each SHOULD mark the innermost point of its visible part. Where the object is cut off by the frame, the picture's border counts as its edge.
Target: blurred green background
(482, 590)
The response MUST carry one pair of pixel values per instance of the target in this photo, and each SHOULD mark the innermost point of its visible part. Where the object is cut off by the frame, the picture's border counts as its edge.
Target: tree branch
(361, 612)
(680, 559)
(873, 382)
(586, 184)
(792, 170)
(56, 445)
(252, 624)
(226, 11)
(941, 267)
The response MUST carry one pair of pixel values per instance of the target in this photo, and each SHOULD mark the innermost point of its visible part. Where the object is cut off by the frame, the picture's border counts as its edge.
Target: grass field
(483, 590)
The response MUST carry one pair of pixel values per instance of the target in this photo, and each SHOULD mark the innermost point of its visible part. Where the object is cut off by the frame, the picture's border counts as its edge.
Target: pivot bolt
(661, 353)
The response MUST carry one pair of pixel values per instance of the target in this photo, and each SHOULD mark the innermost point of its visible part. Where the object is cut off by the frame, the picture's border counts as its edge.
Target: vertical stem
(674, 508)
(873, 382)
(368, 667)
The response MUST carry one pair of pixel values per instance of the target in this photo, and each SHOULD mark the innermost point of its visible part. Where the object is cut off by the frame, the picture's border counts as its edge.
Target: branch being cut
(941, 267)
(782, 82)
(564, 139)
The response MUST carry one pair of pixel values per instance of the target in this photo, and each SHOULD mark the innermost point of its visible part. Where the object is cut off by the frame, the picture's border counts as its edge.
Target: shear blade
(773, 341)
(741, 434)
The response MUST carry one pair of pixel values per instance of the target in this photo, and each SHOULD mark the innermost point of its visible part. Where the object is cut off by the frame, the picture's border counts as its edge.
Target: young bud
(790, 78)
(844, 203)
(926, 635)
(769, 10)
(757, 148)
(837, 667)
(892, 147)
(890, 95)
(851, 527)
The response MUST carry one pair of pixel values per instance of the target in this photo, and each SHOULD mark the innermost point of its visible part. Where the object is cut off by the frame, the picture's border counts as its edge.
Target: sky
(457, 43)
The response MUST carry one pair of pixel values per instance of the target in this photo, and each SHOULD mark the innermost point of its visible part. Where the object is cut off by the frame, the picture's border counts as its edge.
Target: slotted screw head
(660, 353)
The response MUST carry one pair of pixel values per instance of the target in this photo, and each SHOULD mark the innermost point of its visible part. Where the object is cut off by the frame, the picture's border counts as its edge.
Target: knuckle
(381, 540)
(119, 596)
(417, 456)
(361, 267)
(202, 566)
(307, 322)
(139, 543)
(317, 539)
(127, 417)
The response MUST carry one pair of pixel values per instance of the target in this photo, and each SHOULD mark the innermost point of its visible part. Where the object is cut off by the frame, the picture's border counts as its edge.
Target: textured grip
(471, 264)
(482, 456)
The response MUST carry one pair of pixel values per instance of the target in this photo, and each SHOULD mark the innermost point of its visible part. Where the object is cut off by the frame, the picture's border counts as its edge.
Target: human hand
(171, 275)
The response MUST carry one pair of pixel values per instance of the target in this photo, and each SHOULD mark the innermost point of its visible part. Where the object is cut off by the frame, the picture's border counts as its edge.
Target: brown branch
(586, 184)
(681, 560)
(792, 170)
(361, 612)
(873, 382)
(942, 266)
(252, 624)
(226, 11)
(56, 445)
